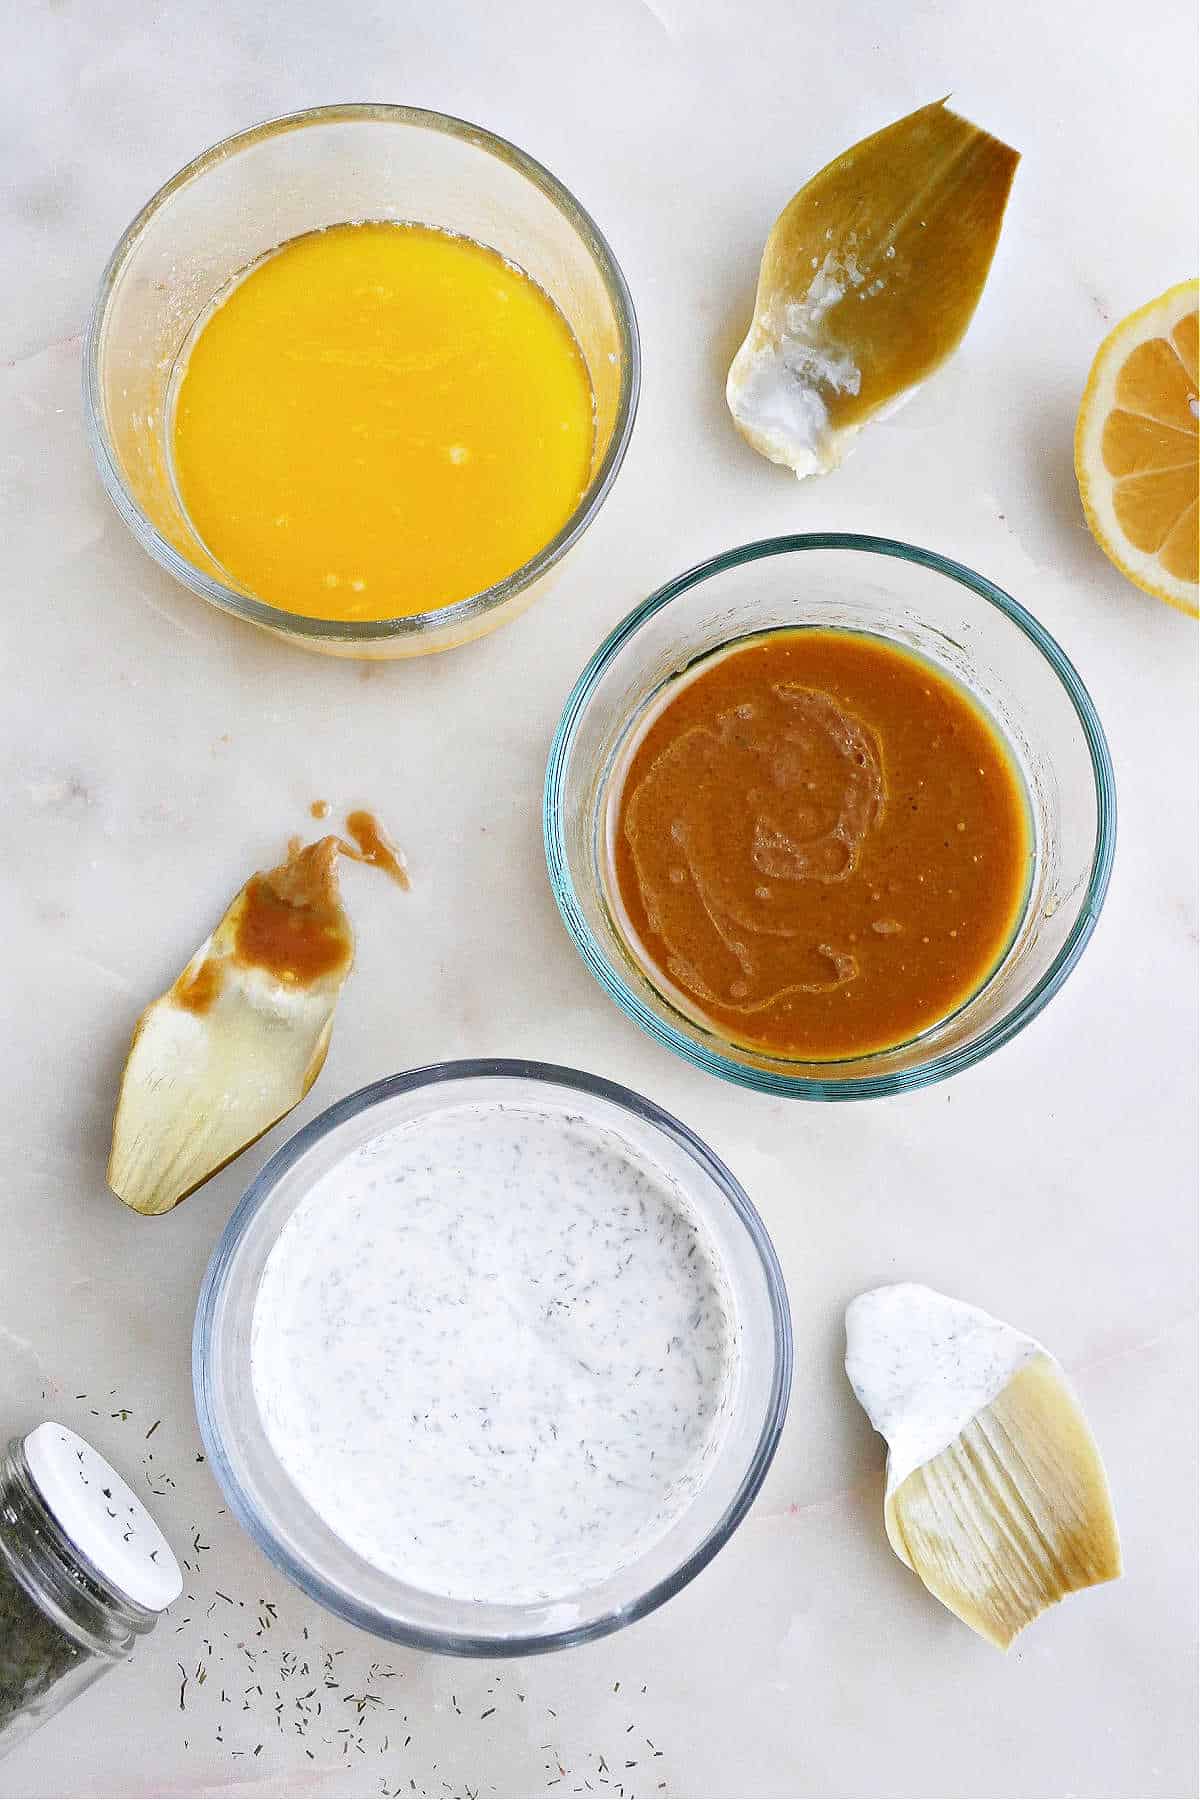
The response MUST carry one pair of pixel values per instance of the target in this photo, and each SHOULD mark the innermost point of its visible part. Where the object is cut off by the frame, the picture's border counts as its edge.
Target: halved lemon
(1137, 448)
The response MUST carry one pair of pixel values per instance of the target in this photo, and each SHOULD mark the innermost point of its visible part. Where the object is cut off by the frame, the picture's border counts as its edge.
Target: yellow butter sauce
(379, 420)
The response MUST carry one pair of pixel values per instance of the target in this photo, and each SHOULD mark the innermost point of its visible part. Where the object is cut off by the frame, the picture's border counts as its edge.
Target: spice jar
(84, 1572)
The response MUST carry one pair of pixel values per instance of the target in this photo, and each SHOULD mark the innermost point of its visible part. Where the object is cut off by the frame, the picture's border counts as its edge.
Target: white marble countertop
(155, 751)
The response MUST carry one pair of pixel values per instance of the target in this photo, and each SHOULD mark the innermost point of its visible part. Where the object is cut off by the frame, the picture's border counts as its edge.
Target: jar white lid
(103, 1517)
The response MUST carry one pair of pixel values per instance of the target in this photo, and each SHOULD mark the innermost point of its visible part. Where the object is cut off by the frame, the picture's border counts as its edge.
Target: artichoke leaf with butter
(237, 1041)
(867, 283)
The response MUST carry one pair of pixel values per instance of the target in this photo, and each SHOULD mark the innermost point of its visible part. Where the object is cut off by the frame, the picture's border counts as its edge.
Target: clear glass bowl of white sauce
(355, 1236)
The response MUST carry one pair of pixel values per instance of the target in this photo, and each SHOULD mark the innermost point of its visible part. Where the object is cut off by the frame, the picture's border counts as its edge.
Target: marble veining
(153, 752)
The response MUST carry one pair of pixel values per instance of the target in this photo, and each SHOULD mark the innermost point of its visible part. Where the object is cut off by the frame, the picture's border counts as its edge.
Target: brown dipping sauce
(821, 846)
(290, 921)
(298, 938)
(196, 992)
(373, 846)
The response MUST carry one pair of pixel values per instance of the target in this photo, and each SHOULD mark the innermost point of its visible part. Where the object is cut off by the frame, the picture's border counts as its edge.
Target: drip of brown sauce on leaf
(239, 1038)
(290, 921)
(196, 989)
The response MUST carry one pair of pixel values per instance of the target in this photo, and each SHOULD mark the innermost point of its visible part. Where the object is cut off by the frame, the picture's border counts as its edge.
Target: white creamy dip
(923, 1366)
(495, 1352)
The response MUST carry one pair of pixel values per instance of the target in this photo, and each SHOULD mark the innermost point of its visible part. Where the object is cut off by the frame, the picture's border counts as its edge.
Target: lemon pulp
(1137, 448)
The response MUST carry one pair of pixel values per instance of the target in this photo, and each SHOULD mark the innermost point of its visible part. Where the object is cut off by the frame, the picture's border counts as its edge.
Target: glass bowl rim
(408, 626)
(860, 1087)
(335, 1599)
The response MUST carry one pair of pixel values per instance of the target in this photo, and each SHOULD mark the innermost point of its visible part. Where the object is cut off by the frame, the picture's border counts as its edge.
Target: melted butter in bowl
(380, 419)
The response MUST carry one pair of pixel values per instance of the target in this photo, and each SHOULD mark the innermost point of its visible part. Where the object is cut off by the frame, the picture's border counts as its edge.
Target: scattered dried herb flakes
(299, 1685)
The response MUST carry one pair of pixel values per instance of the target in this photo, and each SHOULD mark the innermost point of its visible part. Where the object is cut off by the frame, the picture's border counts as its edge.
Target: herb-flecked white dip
(922, 1366)
(495, 1352)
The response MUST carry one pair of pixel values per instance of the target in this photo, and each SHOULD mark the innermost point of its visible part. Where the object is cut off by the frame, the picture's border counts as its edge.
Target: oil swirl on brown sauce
(784, 788)
(821, 842)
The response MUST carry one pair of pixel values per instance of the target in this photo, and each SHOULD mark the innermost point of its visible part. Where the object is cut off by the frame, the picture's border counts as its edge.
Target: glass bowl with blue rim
(970, 630)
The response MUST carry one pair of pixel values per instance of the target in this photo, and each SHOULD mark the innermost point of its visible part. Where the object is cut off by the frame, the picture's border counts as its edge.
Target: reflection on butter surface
(381, 420)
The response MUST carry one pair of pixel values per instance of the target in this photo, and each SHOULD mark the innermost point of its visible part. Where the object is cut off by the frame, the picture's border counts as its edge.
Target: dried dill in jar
(84, 1572)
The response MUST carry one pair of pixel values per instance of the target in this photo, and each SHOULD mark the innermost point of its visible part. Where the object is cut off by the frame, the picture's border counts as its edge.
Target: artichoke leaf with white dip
(996, 1495)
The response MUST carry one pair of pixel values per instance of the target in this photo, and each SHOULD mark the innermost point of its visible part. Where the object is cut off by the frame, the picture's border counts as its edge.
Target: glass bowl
(294, 1536)
(958, 620)
(322, 167)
